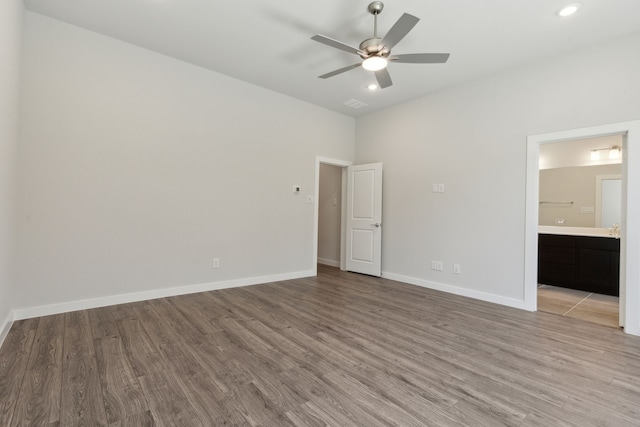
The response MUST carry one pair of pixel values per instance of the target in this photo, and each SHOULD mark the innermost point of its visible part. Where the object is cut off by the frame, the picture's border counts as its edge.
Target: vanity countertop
(575, 231)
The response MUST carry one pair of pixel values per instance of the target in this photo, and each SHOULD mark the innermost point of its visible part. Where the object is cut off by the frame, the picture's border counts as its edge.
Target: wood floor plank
(142, 419)
(255, 407)
(141, 353)
(212, 406)
(82, 402)
(336, 349)
(102, 322)
(168, 404)
(14, 355)
(123, 397)
(39, 399)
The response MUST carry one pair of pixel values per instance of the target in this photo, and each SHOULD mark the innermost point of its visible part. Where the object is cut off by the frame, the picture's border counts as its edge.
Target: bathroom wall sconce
(613, 153)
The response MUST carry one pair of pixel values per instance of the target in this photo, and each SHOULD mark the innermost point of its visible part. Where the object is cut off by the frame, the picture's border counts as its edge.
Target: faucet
(616, 231)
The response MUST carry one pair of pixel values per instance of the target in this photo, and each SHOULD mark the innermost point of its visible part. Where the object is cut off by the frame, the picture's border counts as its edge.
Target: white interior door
(364, 219)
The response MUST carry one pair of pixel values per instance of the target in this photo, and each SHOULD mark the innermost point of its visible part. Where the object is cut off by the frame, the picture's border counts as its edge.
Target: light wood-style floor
(596, 308)
(337, 350)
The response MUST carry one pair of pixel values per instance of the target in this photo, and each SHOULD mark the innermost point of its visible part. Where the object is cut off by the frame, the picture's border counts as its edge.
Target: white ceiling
(267, 42)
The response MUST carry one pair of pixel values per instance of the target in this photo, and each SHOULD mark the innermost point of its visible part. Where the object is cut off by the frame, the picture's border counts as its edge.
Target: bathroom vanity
(581, 258)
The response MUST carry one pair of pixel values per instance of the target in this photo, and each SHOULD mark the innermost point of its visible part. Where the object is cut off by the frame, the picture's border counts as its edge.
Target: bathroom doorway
(579, 215)
(630, 221)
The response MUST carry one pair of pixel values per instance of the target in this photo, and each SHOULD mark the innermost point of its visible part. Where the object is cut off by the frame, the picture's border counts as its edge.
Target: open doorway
(360, 216)
(630, 221)
(578, 243)
(329, 215)
(326, 176)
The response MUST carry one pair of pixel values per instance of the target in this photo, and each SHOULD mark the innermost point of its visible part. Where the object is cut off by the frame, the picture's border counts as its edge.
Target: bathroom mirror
(579, 188)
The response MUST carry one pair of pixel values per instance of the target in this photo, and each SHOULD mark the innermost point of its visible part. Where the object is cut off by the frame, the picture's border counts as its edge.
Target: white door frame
(343, 209)
(630, 227)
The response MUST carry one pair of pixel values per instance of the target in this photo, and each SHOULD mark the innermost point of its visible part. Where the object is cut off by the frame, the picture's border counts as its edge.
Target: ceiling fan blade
(384, 78)
(339, 71)
(421, 58)
(335, 43)
(400, 29)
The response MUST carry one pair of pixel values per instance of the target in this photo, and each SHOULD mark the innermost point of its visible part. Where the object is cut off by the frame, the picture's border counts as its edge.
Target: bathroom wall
(572, 184)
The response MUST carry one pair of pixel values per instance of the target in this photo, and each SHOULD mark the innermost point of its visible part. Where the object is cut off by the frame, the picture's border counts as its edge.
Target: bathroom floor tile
(600, 317)
(596, 308)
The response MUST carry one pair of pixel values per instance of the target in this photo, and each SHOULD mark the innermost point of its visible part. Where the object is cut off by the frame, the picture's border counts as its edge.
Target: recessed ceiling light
(372, 86)
(569, 10)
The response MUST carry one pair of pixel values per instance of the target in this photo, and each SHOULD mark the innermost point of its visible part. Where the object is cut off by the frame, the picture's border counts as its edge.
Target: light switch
(309, 199)
(440, 188)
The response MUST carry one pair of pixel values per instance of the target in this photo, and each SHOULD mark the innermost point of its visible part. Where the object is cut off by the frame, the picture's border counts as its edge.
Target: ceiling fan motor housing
(372, 47)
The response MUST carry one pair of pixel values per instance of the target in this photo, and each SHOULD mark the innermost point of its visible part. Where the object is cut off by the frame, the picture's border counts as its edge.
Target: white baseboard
(5, 327)
(46, 310)
(483, 296)
(328, 262)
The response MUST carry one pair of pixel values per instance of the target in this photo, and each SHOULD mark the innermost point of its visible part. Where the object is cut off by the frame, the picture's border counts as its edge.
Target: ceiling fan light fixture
(372, 87)
(569, 10)
(374, 63)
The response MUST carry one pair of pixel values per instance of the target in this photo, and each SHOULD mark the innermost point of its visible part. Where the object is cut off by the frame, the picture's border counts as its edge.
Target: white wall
(472, 138)
(11, 22)
(136, 170)
(329, 213)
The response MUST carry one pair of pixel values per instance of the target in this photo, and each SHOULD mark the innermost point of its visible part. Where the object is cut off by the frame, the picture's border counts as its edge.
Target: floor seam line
(577, 304)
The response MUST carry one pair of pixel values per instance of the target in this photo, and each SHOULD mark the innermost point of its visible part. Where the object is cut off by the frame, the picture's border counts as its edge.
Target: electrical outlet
(309, 199)
(216, 263)
(456, 268)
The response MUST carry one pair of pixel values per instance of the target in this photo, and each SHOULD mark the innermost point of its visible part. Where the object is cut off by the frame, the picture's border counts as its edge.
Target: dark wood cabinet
(590, 264)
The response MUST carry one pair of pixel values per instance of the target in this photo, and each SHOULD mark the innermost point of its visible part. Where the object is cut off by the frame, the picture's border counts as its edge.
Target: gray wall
(11, 12)
(472, 138)
(136, 170)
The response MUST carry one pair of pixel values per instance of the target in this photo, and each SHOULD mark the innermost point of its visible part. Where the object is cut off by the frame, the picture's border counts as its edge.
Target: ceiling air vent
(354, 103)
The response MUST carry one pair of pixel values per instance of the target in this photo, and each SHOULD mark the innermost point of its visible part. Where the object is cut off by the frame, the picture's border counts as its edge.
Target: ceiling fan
(376, 51)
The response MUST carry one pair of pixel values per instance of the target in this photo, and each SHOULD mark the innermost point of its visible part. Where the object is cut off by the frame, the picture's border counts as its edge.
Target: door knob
(376, 225)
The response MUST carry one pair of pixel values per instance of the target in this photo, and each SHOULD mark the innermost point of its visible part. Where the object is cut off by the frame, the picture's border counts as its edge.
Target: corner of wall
(5, 327)
(11, 29)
